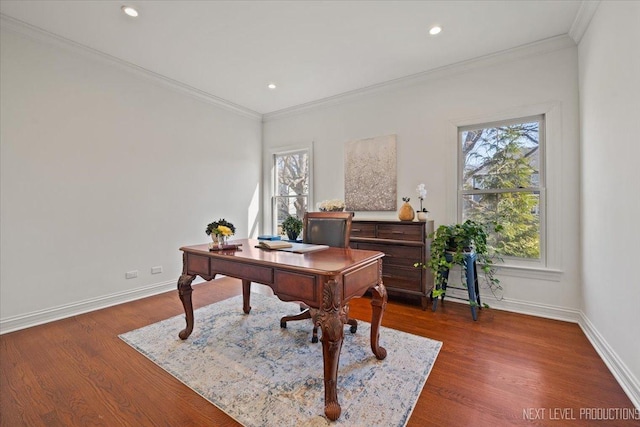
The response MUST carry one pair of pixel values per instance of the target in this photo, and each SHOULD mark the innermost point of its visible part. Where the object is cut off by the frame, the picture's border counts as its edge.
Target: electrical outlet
(156, 270)
(131, 274)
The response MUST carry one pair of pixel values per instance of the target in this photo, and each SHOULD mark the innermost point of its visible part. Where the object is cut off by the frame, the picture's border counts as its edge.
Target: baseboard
(619, 370)
(622, 374)
(625, 378)
(35, 318)
(523, 307)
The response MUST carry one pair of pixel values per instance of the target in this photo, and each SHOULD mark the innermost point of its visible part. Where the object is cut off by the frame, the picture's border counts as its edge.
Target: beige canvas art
(370, 174)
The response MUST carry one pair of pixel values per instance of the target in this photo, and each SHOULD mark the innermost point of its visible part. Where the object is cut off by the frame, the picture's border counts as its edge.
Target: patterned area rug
(262, 375)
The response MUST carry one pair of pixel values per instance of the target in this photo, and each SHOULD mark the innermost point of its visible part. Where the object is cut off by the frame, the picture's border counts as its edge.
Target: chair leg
(353, 323)
(310, 313)
(306, 314)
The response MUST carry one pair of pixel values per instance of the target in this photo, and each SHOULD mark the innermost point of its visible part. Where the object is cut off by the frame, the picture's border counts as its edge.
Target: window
(292, 176)
(501, 179)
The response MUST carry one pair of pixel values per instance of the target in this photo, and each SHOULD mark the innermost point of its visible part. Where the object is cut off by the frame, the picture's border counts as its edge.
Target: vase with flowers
(422, 193)
(334, 205)
(220, 231)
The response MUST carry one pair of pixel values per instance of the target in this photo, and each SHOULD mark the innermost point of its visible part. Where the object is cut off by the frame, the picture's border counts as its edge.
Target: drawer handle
(397, 232)
(355, 229)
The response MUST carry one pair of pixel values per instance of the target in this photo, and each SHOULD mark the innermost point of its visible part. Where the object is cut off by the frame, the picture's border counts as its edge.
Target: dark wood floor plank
(77, 372)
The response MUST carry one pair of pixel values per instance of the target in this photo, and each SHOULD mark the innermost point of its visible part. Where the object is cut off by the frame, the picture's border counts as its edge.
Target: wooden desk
(325, 280)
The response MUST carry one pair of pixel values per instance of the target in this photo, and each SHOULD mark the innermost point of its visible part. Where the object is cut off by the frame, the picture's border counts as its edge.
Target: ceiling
(311, 50)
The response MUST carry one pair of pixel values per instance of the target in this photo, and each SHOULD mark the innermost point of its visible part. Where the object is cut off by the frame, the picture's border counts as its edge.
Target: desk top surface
(329, 260)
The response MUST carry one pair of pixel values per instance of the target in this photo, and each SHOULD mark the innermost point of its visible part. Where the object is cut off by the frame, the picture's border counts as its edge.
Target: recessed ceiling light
(435, 30)
(271, 85)
(130, 11)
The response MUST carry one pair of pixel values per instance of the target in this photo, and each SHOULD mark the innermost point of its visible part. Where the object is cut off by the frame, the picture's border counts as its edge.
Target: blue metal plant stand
(471, 273)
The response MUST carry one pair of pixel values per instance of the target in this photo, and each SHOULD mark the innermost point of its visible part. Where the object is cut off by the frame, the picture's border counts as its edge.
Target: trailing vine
(450, 245)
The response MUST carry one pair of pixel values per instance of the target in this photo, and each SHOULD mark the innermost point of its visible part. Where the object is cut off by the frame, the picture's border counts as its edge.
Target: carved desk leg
(184, 290)
(378, 305)
(246, 296)
(331, 322)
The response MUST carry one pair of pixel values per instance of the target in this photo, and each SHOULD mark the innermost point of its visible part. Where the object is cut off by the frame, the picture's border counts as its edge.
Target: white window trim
(548, 267)
(270, 194)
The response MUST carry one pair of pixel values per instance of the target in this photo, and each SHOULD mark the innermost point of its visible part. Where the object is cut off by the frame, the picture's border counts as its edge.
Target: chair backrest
(328, 228)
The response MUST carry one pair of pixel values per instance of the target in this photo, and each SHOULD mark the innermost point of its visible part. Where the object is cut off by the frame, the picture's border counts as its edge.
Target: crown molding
(583, 18)
(585, 13)
(532, 49)
(36, 33)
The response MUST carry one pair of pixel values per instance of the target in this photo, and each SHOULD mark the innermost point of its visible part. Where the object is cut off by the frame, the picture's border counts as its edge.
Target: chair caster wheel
(353, 329)
(283, 325)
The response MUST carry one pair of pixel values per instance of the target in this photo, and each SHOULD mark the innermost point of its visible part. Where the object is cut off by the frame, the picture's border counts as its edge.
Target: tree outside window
(501, 177)
(292, 176)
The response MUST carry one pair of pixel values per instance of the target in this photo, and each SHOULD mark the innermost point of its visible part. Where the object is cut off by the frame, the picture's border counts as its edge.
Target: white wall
(609, 60)
(423, 112)
(105, 170)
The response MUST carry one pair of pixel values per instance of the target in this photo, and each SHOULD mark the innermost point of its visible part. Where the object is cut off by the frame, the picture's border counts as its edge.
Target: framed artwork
(370, 176)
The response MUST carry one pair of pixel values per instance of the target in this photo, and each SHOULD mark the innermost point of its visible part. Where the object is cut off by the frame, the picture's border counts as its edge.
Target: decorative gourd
(406, 212)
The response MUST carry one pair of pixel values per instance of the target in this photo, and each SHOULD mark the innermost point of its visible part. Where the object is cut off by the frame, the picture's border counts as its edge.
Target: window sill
(529, 272)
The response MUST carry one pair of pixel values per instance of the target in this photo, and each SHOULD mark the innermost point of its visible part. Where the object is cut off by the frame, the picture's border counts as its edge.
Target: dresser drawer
(363, 230)
(404, 243)
(412, 232)
(402, 278)
(396, 254)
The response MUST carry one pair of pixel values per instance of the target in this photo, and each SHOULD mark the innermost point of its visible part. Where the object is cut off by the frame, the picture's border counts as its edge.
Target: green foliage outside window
(501, 184)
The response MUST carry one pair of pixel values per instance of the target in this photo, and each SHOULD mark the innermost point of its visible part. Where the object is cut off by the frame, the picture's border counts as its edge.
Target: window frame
(274, 154)
(542, 119)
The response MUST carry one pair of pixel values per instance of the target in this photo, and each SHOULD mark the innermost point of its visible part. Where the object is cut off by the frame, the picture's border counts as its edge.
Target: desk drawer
(254, 273)
(291, 286)
(197, 264)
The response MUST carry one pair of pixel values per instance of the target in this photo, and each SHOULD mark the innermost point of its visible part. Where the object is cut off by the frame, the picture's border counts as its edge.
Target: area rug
(262, 375)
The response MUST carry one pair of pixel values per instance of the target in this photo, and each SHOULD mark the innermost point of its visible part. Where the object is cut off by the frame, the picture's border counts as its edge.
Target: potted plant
(451, 243)
(292, 226)
(422, 193)
(220, 230)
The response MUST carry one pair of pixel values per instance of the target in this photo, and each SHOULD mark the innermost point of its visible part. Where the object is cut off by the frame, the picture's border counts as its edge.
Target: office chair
(323, 228)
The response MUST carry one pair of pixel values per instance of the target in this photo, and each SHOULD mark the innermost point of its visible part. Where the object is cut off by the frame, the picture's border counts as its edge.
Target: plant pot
(453, 246)
(219, 239)
(292, 236)
(422, 216)
(406, 212)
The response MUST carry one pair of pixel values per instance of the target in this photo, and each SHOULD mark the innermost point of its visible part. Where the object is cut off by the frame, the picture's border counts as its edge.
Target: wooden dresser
(403, 243)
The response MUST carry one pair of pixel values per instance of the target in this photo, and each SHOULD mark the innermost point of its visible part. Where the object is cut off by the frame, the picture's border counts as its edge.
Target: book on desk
(298, 248)
(269, 237)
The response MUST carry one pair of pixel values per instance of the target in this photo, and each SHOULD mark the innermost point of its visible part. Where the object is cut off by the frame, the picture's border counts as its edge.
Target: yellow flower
(223, 230)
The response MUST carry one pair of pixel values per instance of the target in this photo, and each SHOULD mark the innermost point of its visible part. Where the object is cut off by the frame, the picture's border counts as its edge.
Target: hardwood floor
(504, 369)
